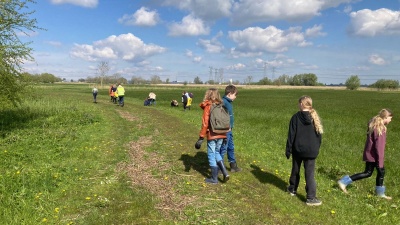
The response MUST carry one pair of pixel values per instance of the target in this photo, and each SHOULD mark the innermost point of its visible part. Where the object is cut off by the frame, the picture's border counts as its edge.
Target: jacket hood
(304, 117)
(205, 103)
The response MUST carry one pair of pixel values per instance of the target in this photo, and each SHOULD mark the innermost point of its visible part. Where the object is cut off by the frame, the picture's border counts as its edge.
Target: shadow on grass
(198, 162)
(269, 178)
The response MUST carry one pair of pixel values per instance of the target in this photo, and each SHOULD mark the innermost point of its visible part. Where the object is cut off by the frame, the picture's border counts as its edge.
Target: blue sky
(222, 39)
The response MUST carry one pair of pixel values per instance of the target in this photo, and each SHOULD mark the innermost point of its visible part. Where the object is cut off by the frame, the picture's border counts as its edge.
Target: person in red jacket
(374, 152)
(214, 141)
(303, 143)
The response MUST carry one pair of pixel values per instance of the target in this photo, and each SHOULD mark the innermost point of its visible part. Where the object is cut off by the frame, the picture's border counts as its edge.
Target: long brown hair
(213, 95)
(307, 103)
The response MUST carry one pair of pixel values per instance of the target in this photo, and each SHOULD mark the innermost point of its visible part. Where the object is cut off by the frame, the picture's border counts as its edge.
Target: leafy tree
(265, 81)
(386, 84)
(14, 19)
(197, 80)
(353, 82)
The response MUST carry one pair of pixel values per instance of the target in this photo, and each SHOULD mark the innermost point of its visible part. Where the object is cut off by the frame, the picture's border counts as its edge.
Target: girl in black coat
(303, 143)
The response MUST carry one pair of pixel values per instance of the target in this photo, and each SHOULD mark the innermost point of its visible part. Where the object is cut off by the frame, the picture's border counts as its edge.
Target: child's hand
(198, 143)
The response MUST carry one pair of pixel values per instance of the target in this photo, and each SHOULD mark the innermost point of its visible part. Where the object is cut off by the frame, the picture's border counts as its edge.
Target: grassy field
(66, 160)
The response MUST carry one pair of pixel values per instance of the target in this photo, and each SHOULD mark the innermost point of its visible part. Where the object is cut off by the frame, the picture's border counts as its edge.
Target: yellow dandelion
(5, 151)
(254, 161)
(329, 191)
(188, 183)
(57, 210)
(333, 212)
(369, 195)
(87, 198)
(18, 172)
(165, 178)
(262, 169)
(44, 220)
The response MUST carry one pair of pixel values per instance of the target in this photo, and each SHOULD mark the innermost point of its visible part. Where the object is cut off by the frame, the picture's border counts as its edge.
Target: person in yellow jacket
(121, 93)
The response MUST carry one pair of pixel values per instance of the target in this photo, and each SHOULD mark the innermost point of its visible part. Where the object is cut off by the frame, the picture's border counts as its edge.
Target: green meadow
(66, 160)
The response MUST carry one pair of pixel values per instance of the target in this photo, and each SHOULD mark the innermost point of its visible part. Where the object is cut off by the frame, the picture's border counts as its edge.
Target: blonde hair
(213, 95)
(377, 122)
(306, 101)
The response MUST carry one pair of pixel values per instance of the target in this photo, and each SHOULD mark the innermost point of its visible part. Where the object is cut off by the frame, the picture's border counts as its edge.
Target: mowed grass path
(66, 160)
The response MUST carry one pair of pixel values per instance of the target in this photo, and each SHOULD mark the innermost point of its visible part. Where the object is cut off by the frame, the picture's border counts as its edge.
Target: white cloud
(213, 45)
(205, 9)
(190, 26)
(270, 39)
(83, 3)
(238, 66)
(372, 23)
(127, 47)
(315, 31)
(376, 60)
(249, 11)
(197, 59)
(54, 43)
(142, 17)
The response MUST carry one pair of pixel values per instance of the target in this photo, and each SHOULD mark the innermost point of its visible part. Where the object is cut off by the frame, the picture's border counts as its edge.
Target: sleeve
(291, 135)
(205, 120)
(380, 142)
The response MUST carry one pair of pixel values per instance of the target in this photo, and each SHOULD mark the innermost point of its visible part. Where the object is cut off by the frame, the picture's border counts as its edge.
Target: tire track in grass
(141, 172)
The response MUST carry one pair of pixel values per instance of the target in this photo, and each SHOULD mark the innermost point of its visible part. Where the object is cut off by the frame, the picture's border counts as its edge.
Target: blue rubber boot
(343, 182)
(380, 192)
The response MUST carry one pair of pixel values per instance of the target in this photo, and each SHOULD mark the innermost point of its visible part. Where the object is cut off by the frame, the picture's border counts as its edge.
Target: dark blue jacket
(228, 105)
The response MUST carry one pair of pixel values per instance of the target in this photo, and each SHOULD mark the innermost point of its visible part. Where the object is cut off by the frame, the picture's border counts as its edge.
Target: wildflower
(44, 220)
(18, 172)
(188, 183)
(165, 178)
(87, 198)
(57, 210)
(333, 212)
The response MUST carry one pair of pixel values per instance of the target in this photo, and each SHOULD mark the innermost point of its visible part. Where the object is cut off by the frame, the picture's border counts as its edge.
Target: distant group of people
(117, 93)
(303, 144)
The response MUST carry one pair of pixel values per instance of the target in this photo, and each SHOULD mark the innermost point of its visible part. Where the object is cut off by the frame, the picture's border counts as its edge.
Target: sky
(219, 40)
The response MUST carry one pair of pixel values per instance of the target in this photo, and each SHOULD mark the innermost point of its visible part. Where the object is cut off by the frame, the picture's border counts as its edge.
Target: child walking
(303, 143)
(374, 152)
(229, 148)
(214, 141)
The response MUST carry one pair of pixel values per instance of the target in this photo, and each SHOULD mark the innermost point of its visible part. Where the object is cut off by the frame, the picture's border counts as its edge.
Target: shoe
(342, 187)
(313, 202)
(292, 193)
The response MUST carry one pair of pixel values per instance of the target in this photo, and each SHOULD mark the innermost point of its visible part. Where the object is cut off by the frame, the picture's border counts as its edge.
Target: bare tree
(102, 69)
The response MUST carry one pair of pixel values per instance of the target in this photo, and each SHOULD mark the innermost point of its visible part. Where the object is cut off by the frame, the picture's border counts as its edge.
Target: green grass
(65, 160)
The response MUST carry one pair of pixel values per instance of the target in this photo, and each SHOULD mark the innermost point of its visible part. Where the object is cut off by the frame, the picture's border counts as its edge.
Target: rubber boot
(214, 176)
(223, 170)
(380, 192)
(234, 167)
(343, 182)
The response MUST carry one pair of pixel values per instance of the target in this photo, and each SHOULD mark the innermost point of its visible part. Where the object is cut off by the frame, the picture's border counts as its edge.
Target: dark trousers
(309, 168)
(369, 169)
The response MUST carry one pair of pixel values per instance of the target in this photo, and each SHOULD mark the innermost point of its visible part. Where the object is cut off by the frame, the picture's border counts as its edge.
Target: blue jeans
(229, 148)
(213, 151)
(121, 99)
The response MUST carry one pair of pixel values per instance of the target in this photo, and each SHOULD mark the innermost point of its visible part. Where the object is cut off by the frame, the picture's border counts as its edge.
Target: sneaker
(291, 192)
(313, 202)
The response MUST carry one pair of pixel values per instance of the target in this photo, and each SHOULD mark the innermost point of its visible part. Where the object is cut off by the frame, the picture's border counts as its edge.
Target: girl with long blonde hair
(303, 143)
(374, 152)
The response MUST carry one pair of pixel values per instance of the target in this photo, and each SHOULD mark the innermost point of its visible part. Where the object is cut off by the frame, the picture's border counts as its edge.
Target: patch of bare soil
(127, 115)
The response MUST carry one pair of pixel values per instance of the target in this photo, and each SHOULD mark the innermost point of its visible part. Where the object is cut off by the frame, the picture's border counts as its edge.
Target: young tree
(103, 69)
(14, 19)
(353, 82)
